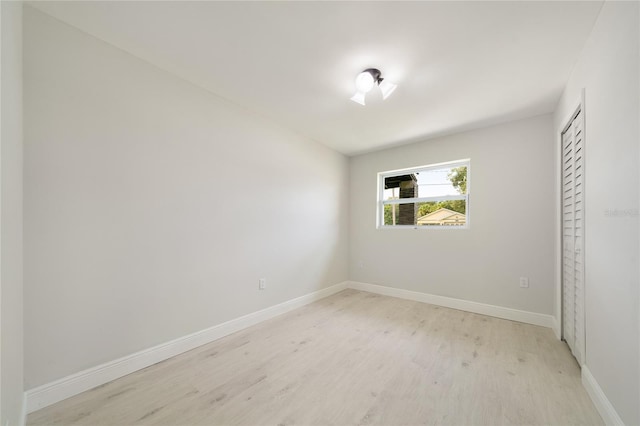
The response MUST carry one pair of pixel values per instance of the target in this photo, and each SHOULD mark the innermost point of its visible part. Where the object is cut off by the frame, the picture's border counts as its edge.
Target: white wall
(511, 213)
(608, 70)
(152, 207)
(11, 358)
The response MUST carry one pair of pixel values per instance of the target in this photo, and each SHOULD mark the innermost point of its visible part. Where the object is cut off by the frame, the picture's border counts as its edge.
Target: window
(430, 196)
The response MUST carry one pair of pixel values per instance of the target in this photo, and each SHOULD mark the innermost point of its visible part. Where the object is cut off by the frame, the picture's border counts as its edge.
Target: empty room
(319, 213)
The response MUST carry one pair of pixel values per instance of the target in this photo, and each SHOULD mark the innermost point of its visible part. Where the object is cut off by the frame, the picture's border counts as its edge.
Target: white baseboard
(600, 400)
(463, 305)
(74, 384)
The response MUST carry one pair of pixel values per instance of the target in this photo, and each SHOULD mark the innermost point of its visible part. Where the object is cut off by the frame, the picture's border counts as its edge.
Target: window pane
(429, 183)
(402, 186)
(391, 214)
(400, 214)
(442, 182)
(442, 213)
(437, 183)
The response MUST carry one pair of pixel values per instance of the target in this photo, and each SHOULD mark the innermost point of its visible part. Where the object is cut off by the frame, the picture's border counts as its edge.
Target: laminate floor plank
(354, 358)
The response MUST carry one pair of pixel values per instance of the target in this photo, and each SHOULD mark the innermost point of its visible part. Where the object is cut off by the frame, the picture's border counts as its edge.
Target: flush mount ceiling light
(365, 82)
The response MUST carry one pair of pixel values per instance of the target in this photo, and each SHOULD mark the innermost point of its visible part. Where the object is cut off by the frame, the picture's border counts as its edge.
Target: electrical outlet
(262, 283)
(524, 282)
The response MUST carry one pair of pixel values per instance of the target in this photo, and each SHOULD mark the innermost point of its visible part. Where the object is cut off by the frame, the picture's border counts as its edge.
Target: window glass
(427, 196)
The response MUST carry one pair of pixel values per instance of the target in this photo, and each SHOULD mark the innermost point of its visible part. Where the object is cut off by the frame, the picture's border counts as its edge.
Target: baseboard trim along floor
(600, 400)
(462, 305)
(354, 357)
(74, 384)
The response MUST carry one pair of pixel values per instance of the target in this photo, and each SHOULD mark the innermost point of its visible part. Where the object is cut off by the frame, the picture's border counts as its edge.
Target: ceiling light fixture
(365, 82)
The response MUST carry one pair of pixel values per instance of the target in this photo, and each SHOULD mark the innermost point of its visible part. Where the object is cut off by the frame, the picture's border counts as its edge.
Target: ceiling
(458, 65)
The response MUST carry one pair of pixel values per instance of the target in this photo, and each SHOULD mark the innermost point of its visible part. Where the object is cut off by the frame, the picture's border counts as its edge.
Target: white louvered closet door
(573, 331)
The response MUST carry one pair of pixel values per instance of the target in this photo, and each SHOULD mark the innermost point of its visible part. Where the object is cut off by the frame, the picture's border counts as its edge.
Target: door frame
(578, 106)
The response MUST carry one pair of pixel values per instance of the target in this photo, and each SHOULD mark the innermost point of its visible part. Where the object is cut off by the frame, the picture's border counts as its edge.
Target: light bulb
(386, 88)
(364, 82)
(358, 97)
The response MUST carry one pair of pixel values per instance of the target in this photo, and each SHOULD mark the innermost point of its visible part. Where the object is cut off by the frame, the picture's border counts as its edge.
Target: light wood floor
(352, 358)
